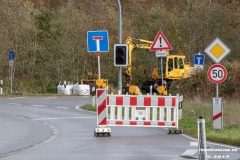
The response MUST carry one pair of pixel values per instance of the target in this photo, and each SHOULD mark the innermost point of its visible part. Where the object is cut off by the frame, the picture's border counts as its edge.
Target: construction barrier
(137, 110)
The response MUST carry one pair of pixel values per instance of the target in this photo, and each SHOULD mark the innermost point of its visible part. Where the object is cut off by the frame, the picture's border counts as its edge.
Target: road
(51, 128)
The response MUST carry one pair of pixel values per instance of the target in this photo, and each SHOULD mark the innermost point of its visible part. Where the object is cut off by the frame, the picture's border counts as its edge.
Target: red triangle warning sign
(160, 43)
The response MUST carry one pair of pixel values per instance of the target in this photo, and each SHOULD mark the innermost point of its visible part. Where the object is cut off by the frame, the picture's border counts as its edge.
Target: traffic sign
(161, 54)
(160, 43)
(217, 50)
(11, 63)
(217, 112)
(97, 41)
(217, 73)
(11, 55)
(198, 61)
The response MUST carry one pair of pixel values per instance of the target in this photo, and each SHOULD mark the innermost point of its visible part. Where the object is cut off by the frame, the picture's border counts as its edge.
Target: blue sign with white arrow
(97, 41)
(11, 55)
(199, 59)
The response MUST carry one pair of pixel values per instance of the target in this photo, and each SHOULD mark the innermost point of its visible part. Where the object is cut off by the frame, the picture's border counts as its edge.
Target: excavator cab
(173, 67)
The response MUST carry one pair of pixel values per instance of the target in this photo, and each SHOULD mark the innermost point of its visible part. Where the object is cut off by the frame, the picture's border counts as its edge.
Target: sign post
(98, 42)
(11, 55)
(217, 74)
(160, 45)
(97, 39)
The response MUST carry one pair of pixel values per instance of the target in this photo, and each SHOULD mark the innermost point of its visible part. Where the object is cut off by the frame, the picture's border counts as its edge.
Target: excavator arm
(134, 43)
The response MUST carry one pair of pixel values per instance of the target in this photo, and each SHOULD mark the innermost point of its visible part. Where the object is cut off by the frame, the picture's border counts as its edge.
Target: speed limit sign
(217, 73)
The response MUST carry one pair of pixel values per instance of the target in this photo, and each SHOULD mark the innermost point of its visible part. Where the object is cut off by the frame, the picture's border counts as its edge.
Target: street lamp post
(119, 42)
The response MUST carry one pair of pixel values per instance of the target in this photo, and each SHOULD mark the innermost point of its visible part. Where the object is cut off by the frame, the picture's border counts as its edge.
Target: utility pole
(119, 42)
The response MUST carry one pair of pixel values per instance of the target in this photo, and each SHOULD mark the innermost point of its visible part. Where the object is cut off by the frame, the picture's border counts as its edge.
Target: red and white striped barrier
(137, 110)
(101, 107)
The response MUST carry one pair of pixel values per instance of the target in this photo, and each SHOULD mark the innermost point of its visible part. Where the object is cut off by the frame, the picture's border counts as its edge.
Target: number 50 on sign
(217, 73)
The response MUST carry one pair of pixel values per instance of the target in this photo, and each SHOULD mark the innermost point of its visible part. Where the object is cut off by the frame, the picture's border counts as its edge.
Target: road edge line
(53, 136)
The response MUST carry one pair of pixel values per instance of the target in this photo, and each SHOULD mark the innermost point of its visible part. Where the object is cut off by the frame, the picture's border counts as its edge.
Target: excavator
(173, 68)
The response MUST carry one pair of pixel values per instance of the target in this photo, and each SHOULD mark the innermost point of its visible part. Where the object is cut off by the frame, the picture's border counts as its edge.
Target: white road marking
(55, 133)
(1, 141)
(189, 152)
(17, 98)
(194, 144)
(62, 118)
(62, 107)
(50, 98)
(39, 105)
(15, 104)
(212, 143)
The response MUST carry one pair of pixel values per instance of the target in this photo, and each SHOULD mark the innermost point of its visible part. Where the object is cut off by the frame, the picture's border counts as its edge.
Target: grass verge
(230, 134)
(89, 107)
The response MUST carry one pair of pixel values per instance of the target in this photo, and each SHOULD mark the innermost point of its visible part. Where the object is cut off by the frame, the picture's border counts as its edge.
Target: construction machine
(93, 81)
(173, 68)
(127, 71)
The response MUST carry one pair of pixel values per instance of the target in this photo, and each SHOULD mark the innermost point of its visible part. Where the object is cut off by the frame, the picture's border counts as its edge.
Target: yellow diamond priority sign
(217, 50)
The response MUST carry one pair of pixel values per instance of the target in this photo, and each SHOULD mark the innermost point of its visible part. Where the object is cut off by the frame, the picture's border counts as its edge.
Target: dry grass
(195, 107)
(231, 112)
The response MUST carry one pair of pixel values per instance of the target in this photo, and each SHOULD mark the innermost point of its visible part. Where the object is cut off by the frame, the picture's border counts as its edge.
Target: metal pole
(216, 90)
(162, 70)
(11, 78)
(119, 42)
(98, 54)
(99, 69)
(1, 87)
(119, 23)
(202, 139)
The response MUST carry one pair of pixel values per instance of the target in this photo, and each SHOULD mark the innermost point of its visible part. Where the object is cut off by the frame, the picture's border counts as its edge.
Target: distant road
(51, 128)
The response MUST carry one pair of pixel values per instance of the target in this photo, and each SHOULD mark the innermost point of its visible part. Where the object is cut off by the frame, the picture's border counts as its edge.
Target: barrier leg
(104, 131)
(175, 131)
(175, 120)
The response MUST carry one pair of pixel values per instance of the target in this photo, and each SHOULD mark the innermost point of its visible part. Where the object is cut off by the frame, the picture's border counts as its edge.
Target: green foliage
(44, 25)
(200, 85)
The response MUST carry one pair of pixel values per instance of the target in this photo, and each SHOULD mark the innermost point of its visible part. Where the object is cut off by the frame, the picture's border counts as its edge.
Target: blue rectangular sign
(199, 59)
(93, 37)
(11, 55)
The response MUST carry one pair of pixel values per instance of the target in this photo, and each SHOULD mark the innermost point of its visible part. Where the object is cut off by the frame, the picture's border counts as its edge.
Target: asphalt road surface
(52, 128)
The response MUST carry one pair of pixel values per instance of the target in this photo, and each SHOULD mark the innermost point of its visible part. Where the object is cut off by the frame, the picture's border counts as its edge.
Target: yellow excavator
(173, 67)
(92, 79)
